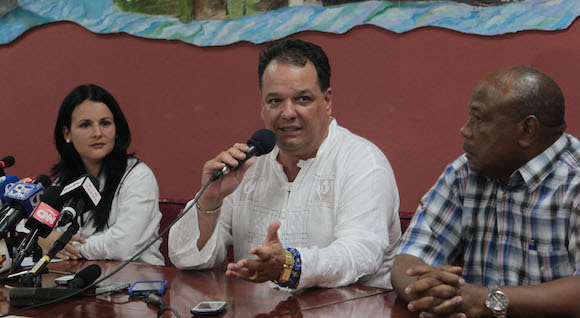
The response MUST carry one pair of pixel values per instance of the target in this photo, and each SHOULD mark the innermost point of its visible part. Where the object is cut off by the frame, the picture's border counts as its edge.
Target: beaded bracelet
(295, 276)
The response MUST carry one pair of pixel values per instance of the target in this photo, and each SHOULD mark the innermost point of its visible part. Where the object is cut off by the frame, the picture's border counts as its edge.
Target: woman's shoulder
(137, 169)
(137, 166)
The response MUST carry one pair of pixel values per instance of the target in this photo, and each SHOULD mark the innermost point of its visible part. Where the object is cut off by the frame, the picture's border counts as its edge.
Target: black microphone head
(51, 197)
(42, 217)
(43, 180)
(264, 140)
(85, 277)
(8, 161)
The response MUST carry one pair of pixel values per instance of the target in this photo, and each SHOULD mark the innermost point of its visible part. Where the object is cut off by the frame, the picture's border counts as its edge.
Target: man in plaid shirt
(506, 213)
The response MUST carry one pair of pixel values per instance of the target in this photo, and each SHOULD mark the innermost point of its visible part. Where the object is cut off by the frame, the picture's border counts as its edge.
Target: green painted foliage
(182, 9)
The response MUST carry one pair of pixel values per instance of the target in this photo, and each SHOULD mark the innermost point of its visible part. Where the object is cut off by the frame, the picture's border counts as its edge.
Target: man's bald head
(529, 91)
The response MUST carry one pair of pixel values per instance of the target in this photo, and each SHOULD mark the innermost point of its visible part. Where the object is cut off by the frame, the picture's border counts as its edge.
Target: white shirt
(133, 220)
(341, 213)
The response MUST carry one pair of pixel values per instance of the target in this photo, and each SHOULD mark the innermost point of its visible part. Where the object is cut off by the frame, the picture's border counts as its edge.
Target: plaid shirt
(525, 233)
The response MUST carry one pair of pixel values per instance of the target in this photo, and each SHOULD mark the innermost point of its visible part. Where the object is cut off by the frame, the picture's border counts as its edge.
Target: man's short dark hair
(296, 52)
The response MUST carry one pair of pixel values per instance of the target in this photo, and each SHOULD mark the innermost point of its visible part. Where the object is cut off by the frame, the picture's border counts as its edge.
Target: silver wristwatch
(497, 302)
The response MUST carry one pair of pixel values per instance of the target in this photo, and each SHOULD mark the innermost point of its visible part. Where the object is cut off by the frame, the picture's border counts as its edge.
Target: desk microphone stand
(33, 277)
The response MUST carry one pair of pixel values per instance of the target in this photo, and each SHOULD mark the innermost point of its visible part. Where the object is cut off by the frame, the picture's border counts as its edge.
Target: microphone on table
(85, 277)
(81, 196)
(28, 296)
(41, 222)
(6, 162)
(23, 199)
(261, 143)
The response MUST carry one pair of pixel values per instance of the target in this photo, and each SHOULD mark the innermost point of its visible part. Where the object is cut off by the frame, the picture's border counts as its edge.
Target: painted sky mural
(222, 22)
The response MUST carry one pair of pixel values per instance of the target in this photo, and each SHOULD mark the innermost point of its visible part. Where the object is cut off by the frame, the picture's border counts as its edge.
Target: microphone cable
(157, 301)
(125, 263)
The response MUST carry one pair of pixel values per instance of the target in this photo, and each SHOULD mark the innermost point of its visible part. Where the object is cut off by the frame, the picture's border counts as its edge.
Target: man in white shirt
(323, 204)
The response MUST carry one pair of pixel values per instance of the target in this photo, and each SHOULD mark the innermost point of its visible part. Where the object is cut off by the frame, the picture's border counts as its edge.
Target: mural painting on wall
(189, 10)
(222, 22)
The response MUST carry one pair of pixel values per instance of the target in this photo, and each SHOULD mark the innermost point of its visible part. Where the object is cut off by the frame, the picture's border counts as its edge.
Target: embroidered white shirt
(341, 213)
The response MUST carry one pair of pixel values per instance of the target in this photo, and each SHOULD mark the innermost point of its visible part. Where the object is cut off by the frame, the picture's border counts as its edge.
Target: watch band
(497, 301)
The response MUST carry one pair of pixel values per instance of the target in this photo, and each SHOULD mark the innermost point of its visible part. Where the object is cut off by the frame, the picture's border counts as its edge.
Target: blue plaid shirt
(525, 233)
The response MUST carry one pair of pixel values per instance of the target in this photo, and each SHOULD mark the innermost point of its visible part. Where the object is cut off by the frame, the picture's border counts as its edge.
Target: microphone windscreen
(8, 161)
(43, 180)
(6, 182)
(29, 296)
(85, 277)
(264, 140)
(51, 197)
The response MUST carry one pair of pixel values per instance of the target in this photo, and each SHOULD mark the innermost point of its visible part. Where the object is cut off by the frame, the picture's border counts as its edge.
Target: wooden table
(188, 288)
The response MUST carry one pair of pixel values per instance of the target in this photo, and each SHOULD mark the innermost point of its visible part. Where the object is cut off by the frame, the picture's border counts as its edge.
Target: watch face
(498, 301)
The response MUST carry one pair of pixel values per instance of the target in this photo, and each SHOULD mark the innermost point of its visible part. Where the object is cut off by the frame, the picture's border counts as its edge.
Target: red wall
(407, 93)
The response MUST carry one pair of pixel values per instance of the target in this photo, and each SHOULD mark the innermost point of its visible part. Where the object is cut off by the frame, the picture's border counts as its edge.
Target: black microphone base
(27, 296)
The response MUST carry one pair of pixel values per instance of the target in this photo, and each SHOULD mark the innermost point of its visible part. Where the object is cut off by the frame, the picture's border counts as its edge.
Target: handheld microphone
(41, 222)
(6, 162)
(27, 180)
(261, 143)
(81, 195)
(6, 182)
(46, 214)
(23, 199)
(28, 296)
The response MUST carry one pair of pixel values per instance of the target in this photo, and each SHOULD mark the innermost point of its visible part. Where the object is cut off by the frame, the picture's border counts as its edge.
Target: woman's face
(92, 133)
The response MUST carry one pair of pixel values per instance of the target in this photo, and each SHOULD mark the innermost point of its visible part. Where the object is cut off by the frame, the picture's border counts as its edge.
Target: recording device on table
(146, 287)
(63, 280)
(209, 307)
(111, 287)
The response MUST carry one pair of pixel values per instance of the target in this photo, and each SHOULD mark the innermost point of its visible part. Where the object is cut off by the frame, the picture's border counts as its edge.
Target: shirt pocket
(547, 265)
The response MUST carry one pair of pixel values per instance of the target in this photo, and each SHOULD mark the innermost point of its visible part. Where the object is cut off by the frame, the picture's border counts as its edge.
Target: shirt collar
(322, 149)
(536, 170)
